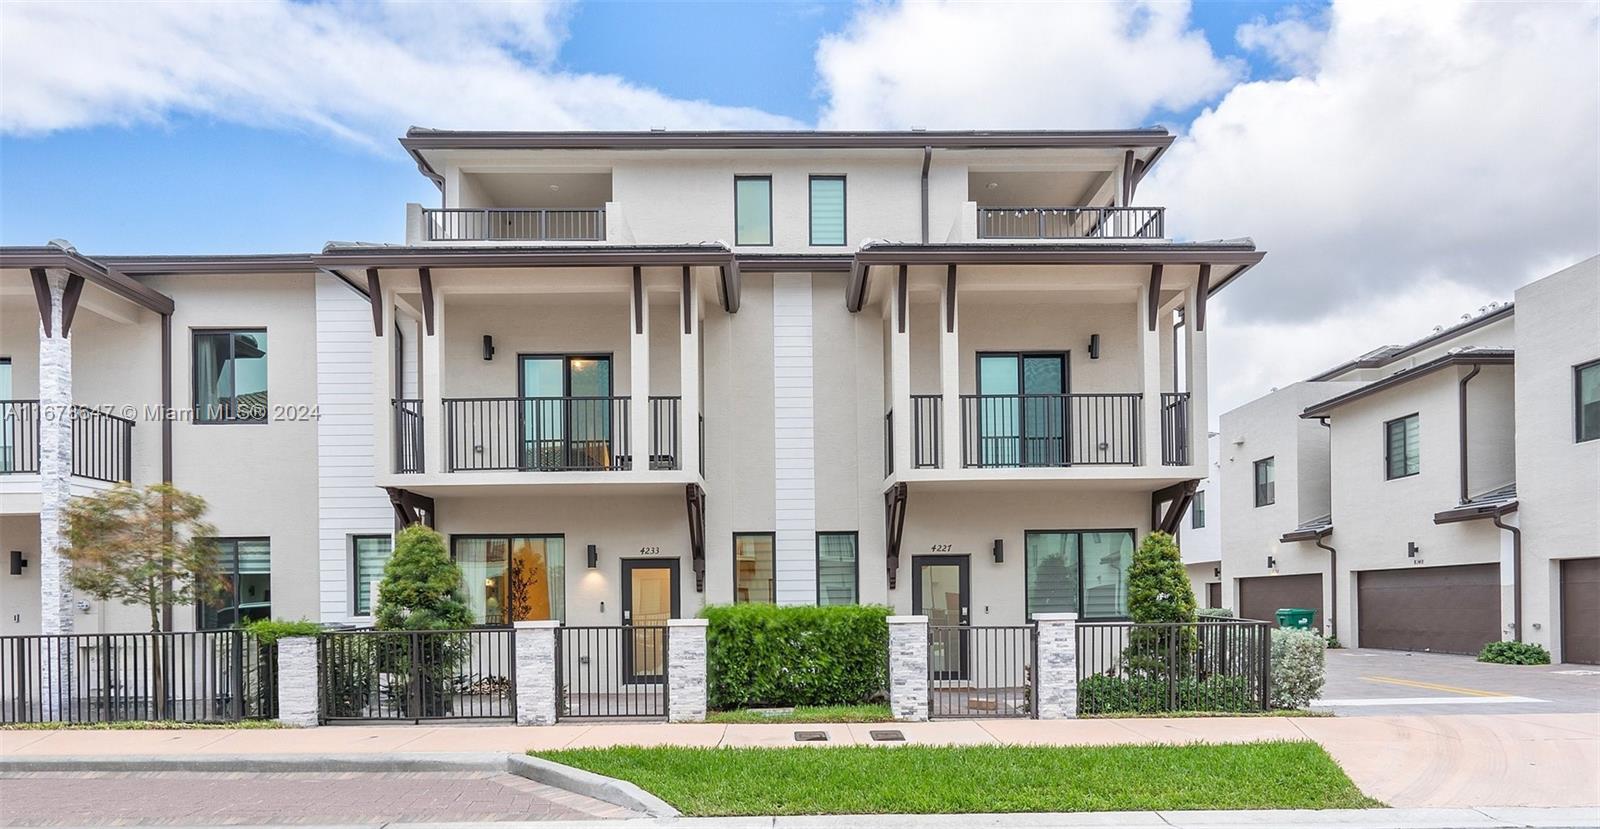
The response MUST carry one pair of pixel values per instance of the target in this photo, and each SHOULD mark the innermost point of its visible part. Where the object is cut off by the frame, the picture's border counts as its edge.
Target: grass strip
(807, 714)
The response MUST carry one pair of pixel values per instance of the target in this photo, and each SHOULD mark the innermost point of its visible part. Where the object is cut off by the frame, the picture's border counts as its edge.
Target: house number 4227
(941, 548)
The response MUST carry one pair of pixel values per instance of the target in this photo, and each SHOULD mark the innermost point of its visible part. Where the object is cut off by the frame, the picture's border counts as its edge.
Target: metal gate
(612, 672)
(400, 675)
(982, 671)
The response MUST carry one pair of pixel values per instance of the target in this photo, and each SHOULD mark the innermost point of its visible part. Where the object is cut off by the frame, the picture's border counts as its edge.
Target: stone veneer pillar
(686, 670)
(908, 668)
(1058, 665)
(297, 681)
(56, 610)
(535, 644)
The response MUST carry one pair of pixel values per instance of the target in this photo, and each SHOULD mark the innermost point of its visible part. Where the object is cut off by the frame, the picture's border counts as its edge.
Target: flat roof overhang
(1482, 357)
(89, 270)
(1474, 512)
(1239, 256)
(1304, 535)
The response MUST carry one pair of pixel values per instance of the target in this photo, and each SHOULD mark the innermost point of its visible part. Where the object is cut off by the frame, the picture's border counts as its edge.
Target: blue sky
(194, 183)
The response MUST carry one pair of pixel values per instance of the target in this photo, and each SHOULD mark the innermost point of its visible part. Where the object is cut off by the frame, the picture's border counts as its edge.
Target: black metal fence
(200, 676)
(543, 434)
(1212, 665)
(664, 431)
(479, 224)
(982, 671)
(408, 445)
(19, 436)
(416, 676)
(1011, 430)
(612, 672)
(927, 430)
(1175, 428)
(1071, 222)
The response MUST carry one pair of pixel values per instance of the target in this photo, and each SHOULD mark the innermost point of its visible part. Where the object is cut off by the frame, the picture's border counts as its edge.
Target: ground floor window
(246, 565)
(754, 568)
(512, 578)
(1078, 571)
(836, 569)
(370, 554)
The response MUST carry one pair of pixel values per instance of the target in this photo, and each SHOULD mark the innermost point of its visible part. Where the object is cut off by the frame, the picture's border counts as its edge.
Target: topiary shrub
(766, 655)
(1298, 661)
(1514, 653)
(1159, 592)
(421, 587)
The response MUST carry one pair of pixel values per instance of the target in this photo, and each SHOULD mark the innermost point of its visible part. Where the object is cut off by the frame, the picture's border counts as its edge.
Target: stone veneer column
(535, 644)
(908, 668)
(56, 611)
(686, 670)
(1057, 665)
(297, 681)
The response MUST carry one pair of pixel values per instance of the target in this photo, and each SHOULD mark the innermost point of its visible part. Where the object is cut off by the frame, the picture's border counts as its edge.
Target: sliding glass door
(566, 411)
(1022, 409)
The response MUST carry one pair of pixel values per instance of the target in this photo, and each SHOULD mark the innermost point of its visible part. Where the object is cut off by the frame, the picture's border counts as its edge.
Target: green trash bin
(1297, 617)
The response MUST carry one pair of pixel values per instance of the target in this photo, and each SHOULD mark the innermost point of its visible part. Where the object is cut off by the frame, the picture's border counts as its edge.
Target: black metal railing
(982, 671)
(19, 436)
(198, 676)
(102, 445)
(1211, 665)
(389, 675)
(1175, 428)
(1026, 430)
(408, 445)
(615, 671)
(927, 425)
(514, 224)
(888, 443)
(542, 434)
(1071, 222)
(664, 430)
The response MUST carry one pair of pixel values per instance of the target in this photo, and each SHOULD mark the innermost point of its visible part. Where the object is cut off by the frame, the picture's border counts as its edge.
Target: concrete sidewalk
(1461, 761)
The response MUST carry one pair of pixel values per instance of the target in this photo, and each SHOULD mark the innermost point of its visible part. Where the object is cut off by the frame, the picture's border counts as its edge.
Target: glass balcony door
(566, 411)
(1022, 408)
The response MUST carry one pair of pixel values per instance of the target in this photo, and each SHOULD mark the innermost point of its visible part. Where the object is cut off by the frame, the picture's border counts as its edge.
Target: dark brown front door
(1580, 610)
(1214, 594)
(1262, 596)
(1439, 609)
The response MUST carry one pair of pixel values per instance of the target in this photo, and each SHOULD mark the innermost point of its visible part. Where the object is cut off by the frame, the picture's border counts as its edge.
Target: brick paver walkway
(192, 798)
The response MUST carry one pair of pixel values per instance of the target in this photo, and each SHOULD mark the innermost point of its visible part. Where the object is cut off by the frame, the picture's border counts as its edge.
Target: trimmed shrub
(421, 585)
(1298, 658)
(268, 631)
(1514, 653)
(1106, 694)
(766, 655)
(1214, 613)
(1158, 585)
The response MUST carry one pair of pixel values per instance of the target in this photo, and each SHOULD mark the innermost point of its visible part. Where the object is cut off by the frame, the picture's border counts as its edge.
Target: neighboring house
(1435, 496)
(1200, 533)
(615, 421)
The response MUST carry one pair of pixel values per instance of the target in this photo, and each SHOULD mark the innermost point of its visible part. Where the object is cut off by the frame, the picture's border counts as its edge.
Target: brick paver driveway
(206, 799)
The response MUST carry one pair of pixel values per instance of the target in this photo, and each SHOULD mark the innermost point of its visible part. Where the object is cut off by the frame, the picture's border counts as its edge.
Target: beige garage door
(1439, 609)
(1260, 597)
(1580, 610)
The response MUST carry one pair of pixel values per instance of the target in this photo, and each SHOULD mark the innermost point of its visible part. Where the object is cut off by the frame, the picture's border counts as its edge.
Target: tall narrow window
(836, 569)
(1197, 517)
(752, 210)
(230, 376)
(753, 568)
(1078, 571)
(369, 553)
(512, 578)
(1586, 392)
(827, 210)
(246, 565)
(1266, 482)
(1400, 447)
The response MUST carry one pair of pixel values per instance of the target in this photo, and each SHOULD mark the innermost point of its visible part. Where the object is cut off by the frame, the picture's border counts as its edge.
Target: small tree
(145, 546)
(1159, 594)
(421, 587)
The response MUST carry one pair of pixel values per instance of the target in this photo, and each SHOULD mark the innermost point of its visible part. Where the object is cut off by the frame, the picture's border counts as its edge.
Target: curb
(598, 786)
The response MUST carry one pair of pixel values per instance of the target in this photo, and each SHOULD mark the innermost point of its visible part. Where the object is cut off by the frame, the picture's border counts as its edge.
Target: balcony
(102, 443)
(539, 434)
(1071, 222)
(514, 224)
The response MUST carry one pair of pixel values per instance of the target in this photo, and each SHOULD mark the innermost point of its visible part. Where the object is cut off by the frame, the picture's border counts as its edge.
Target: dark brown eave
(1474, 512)
(90, 270)
(1305, 535)
(1241, 256)
(1386, 359)
(418, 138)
(1478, 357)
(218, 264)
(780, 263)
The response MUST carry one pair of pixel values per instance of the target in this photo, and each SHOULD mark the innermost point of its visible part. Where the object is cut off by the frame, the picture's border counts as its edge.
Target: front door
(942, 592)
(649, 599)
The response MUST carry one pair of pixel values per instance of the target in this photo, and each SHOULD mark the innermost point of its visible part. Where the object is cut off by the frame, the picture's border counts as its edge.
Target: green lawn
(808, 714)
(138, 725)
(966, 779)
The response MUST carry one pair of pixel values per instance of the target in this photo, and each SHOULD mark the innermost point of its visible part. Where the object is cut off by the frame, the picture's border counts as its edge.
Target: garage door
(1440, 609)
(1260, 597)
(1580, 610)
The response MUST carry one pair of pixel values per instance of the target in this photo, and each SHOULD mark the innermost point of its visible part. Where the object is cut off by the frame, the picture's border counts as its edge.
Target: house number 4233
(649, 551)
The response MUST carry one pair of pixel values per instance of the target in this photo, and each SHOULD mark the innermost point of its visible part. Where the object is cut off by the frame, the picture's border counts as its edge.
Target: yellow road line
(1471, 692)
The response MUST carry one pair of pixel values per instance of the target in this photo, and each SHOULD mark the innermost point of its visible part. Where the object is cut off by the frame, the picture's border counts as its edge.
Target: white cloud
(1085, 65)
(362, 72)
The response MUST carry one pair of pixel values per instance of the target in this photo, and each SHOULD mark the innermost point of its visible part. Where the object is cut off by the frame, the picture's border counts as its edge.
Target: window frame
(1269, 462)
(772, 233)
(1027, 593)
(733, 564)
(508, 537)
(194, 376)
(811, 209)
(855, 542)
(1197, 511)
(355, 571)
(1577, 401)
(233, 599)
(1388, 447)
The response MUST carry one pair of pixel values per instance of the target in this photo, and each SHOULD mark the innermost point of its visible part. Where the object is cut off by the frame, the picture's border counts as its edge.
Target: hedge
(1107, 694)
(1514, 653)
(766, 655)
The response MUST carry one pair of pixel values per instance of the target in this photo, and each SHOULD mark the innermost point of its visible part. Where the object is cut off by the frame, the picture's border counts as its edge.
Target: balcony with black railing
(514, 224)
(541, 434)
(1175, 429)
(1046, 223)
(102, 443)
(1049, 430)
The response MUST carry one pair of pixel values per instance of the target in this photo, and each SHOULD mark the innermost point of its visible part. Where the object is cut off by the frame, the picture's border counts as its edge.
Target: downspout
(1516, 575)
(927, 158)
(1333, 583)
(1461, 395)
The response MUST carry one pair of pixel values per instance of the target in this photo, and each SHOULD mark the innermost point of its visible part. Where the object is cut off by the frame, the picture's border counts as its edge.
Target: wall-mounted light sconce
(999, 550)
(1412, 549)
(594, 557)
(1272, 564)
(1216, 572)
(488, 347)
(17, 562)
(1094, 346)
